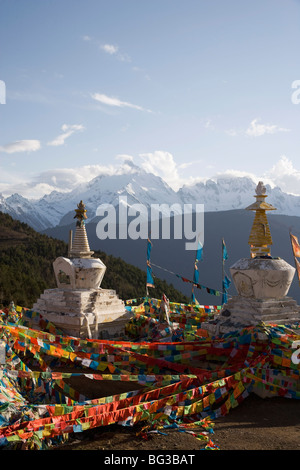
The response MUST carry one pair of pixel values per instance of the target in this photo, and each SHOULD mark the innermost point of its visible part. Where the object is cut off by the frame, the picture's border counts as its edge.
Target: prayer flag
(297, 264)
(196, 272)
(150, 282)
(224, 250)
(226, 282)
(295, 245)
(224, 297)
(199, 252)
(196, 275)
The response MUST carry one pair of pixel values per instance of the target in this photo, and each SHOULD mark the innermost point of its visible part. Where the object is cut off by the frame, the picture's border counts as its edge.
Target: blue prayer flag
(226, 282)
(199, 252)
(224, 297)
(150, 282)
(196, 275)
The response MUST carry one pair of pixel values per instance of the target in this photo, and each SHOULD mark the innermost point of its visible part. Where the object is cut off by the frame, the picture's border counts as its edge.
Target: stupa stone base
(241, 312)
(84, 313)
(261, 278)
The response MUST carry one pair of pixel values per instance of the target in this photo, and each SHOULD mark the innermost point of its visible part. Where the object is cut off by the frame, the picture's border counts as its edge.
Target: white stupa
(79, 306)
(261, 281)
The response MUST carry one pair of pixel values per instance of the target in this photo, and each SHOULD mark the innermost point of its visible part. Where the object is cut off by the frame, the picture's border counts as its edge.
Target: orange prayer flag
(202, 332)
(295, 245)
(297, 264)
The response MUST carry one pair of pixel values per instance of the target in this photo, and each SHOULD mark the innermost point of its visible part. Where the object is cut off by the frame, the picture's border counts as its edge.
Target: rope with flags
(150, 281)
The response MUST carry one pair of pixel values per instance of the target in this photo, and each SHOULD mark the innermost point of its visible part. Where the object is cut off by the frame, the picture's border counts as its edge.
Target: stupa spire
(260, 238)
(80, 245)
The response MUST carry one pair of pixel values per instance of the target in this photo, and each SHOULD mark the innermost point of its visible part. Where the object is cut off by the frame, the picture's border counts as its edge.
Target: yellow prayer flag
(212, 399)
(46, 432)
(106, 376)
(194, 408)
(58, 410)
(85, 426)
(72, 357)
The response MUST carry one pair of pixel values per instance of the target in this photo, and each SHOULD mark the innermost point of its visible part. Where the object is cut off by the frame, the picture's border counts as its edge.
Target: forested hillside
(26, 270)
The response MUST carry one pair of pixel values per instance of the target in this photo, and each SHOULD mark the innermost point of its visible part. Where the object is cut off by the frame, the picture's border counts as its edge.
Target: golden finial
(80, 214)
(260, 237)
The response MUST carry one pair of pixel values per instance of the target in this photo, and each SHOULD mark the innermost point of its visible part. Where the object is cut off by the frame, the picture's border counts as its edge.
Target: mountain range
(140, 187)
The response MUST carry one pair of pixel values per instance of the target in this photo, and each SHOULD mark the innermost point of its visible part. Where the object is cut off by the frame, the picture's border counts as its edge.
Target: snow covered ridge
(141, 187)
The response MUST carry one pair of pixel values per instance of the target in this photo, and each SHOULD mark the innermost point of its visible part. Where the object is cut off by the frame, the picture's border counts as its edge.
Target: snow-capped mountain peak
(139, 187)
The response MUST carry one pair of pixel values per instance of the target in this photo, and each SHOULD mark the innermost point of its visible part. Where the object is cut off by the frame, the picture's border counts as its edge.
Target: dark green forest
(26, 258)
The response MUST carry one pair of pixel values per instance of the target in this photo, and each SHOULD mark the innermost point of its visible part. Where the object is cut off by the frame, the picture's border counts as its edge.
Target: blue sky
(186, 89)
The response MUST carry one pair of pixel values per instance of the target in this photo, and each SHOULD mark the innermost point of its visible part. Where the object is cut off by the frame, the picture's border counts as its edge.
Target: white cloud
(68, 130)
(21, 146)
(124, 157)
(68, 178)
(232, 132)
(257, 130)
(123, 57)
(185, 165)
(162, 164)
(60, 179)
(284, 175)
(208, 124)
(110, 49)
(116, 102)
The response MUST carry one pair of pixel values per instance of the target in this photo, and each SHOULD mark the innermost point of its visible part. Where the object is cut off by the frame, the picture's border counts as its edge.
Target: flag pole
(192, 296)
(222, 243)
(223, 269)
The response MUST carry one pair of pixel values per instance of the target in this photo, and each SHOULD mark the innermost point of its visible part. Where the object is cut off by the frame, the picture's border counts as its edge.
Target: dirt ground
(255, 424)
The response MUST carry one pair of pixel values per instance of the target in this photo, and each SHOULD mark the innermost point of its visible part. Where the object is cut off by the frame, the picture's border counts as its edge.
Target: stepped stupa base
(241, 312)
(84, 313)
